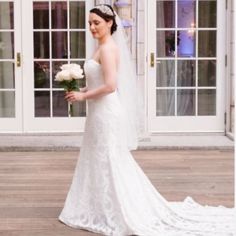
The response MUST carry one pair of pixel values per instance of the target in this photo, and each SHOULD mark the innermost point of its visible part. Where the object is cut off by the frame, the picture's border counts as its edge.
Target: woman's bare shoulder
(109, 50)
(109, 47)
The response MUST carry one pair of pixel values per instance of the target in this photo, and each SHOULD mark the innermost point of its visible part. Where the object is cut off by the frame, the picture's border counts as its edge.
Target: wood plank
(33, 185)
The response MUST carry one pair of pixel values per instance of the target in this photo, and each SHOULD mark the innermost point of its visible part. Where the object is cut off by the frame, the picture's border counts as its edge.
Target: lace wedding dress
(111, 195)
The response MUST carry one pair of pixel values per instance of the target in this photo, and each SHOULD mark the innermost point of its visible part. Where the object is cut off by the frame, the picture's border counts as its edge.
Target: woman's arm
(108, 63)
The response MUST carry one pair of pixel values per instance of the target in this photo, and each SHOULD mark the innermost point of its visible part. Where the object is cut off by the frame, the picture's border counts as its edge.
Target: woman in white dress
(110, 194)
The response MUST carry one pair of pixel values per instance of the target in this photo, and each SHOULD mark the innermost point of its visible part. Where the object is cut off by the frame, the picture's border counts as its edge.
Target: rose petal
(76, 74)
(63, 75)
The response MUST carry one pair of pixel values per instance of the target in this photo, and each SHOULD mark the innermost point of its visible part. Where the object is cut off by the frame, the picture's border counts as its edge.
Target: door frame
(184, 124)
(33, 124)
(14, 124)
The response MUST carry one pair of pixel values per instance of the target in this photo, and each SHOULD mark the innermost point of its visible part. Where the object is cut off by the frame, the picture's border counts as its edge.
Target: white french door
(44, 35)
(186, 78)
(10, 66)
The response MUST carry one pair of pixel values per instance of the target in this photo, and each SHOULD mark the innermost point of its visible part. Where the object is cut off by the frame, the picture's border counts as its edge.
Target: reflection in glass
(59, 45)
(60, 105)
(41, 15)
(41, 74)
(59, 15)
(187, 43)
(6, 45)
(165, 14)
(206, 102)
(42, 103)
(41, 44)
(207, 43)
(6, 15)
(7, 75)
(165, 73)
(165, 102)
(7, 104)
(186, 73)
(165, 43)
(186, 13)
(77, 44)
(77, 15)
(207, 73)
(207, 14)
(186, 102)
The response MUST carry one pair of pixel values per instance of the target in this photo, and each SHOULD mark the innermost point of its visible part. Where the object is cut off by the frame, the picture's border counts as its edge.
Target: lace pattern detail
(111, 195)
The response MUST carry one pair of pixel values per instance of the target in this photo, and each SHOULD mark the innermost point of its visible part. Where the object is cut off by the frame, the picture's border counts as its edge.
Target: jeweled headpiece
(105, 9)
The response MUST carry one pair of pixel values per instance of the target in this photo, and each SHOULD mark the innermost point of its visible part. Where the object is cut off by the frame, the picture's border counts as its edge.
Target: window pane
(207, 73)
(206, 102)
(186, 102)
(207, 13)
(77, 44)
(186, 43)
(42, 103)
(207, 43)
(41, 44)
(77, 15)
(6, 15)
(165, 73)
(165, 102)
(41, 74)
(165, 43)
(59, 45)
(186, 73)
(165, 14)
(6, 45)
(186, 13)
(41, 15)
(59, 15)
(60, 105)
(7, 75)
(7, 104)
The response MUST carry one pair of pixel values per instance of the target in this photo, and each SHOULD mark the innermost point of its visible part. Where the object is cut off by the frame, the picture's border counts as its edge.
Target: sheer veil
(128, 89)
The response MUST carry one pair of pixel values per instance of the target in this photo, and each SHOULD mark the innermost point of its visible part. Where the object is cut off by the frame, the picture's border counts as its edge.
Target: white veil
(127, 84)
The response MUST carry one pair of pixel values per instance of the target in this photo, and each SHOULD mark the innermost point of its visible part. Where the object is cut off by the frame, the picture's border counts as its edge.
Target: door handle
(18, 59)
(152, 59)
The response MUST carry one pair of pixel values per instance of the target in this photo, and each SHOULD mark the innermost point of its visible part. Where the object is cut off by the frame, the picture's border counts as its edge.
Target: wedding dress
(111, 195)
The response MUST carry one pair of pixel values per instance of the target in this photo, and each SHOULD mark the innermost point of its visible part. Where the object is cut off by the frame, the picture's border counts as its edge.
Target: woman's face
(98, 26)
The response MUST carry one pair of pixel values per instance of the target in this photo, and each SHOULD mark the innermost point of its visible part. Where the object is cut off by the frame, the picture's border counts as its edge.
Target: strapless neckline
(93, 60)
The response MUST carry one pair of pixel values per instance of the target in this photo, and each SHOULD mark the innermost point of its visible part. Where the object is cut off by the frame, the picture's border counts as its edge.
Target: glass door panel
(187, 92)
(59, 36)
(10, 113)
(7, 70)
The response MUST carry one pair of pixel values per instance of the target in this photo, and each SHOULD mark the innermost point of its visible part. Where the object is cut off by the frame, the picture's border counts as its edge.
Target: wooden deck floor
(33, 185)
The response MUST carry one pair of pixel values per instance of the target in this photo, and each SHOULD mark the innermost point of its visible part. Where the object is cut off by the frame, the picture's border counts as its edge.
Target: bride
(110, 194)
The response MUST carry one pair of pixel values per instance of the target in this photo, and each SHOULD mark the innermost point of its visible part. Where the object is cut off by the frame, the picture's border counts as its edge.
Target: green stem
(71, 113)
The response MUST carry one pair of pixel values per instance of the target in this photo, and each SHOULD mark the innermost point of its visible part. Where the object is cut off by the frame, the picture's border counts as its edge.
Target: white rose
(63, 75)
(76, 73)
(66, 66)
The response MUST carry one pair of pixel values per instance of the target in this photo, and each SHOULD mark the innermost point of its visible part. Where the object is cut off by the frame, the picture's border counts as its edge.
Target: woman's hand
(74, 96)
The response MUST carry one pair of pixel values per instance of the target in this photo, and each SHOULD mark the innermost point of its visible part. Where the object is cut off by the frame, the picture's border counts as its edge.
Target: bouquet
(68, 78)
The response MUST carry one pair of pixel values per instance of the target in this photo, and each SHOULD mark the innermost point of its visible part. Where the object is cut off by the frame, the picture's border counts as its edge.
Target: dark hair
(106, 17)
